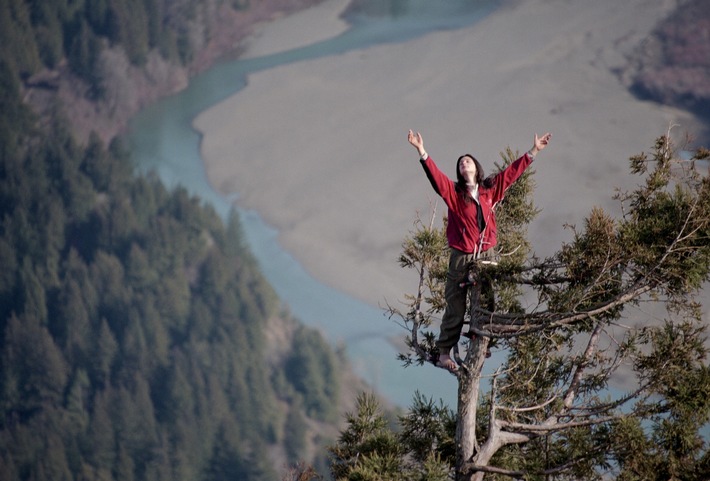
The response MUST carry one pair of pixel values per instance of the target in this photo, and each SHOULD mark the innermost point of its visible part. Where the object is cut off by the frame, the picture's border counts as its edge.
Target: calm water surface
(163, 140)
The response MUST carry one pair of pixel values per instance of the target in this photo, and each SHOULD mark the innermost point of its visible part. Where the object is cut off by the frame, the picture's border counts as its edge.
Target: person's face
(467, 167)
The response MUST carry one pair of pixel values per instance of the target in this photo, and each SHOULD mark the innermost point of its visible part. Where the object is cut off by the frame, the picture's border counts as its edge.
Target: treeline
(43, 33)
(132, 319)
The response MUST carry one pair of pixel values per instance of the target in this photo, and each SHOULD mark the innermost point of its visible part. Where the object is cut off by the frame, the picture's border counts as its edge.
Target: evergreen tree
(127, 25)
(83, 56)
(131, 315)
(19, 53)
(132, 323)
(312, 370)
(47, 26)
(548, 411)
(295, 430)
(366, 444)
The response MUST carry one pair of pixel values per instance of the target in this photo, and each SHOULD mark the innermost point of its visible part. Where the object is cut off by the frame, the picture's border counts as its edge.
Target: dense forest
(104, 60)
(134, 323)
(47, 33)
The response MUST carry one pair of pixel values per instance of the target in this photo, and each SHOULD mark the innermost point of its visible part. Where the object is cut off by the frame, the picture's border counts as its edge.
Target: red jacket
(462, 230)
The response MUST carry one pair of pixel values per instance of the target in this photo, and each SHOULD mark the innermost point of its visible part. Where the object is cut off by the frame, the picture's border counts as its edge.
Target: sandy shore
(302, 28)
(319, 147)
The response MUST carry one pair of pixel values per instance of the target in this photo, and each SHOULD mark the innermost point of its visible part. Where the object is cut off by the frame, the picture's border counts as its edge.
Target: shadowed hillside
(673, 65)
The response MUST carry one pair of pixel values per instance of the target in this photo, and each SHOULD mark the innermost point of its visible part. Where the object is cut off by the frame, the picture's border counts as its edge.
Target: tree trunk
(469, 391)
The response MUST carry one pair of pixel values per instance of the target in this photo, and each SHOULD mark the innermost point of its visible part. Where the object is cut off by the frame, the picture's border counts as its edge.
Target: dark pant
(453, 318)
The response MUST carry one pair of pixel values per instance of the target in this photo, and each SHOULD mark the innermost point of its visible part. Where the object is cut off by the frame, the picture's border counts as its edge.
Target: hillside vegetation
(132, 326)
(135, 327)
(673, 65)
(103, 60)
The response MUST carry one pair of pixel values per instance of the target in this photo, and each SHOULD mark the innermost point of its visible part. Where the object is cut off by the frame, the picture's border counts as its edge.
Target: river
(162, 140)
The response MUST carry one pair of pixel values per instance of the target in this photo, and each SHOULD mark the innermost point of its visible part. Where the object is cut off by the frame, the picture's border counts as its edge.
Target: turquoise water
(163, 140)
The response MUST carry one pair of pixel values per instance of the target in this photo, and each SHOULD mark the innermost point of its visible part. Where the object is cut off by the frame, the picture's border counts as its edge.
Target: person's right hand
(416, 140)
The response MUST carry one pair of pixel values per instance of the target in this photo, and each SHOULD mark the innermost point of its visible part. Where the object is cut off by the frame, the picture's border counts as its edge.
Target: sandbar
(319, 148)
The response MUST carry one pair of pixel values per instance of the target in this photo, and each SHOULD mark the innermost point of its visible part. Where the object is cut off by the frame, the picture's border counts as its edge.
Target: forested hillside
(133, 320)
(103, 60)
(673, 65)
(132, 326)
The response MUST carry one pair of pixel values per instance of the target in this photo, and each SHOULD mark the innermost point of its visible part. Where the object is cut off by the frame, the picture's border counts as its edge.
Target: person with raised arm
(470, 229)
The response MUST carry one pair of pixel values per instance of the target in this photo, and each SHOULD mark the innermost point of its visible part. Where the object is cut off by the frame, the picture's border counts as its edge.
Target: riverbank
(318, 148)
(220, 31)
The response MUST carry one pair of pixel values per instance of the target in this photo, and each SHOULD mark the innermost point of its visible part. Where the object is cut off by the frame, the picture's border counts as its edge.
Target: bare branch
(550, 426)
(511, 325)
(471, 467)
(529, 408)
(581, 366)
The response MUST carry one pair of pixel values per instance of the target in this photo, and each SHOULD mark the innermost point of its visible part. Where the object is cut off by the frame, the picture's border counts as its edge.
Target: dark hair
(480, 176)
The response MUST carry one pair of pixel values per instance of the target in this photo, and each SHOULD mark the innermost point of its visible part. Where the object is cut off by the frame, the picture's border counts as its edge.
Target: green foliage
(425, 252)
(428, 428)
(47, 26)
(127, 25)
(295, 430)
(132, 322)
(18, 47)
(426, 247)
(554, 408)
(312, 370)
(43, 34)
(368, 448)
(513, 215)
(83, 55)
(669, 445)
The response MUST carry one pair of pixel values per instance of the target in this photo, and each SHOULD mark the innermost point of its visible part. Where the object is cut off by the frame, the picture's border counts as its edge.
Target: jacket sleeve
(443, 186)
(505, 178)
